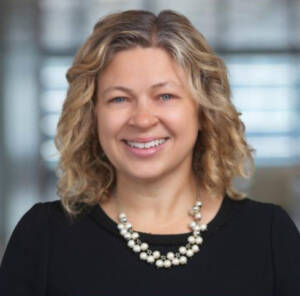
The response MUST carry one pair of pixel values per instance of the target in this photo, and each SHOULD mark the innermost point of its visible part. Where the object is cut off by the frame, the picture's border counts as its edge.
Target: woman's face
(143, 94)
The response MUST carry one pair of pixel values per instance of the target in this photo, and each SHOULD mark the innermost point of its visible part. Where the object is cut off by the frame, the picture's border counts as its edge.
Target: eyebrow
(126, 89)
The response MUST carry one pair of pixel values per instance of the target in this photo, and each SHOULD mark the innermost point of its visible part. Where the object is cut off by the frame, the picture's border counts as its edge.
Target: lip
(145, 140)
(146, 152)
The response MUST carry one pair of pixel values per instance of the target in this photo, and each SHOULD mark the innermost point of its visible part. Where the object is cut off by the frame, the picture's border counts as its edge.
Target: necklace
(155, 257)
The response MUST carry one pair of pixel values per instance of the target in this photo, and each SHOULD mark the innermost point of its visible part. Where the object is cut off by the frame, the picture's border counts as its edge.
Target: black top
(250, 248)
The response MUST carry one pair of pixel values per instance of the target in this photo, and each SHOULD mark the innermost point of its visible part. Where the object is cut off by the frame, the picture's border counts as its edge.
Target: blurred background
(258, 39)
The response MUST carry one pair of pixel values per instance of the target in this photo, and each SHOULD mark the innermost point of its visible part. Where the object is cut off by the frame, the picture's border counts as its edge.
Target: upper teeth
(147, 144)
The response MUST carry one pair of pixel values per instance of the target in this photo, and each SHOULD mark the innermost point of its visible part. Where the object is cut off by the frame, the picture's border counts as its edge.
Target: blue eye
(116, 100)
(167, 96)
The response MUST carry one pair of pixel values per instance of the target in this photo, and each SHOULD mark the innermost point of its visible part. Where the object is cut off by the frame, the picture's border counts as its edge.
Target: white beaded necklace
(170, 259)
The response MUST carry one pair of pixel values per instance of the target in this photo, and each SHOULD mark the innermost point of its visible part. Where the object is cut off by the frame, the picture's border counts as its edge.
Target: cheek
(184, 120)
(108, 127)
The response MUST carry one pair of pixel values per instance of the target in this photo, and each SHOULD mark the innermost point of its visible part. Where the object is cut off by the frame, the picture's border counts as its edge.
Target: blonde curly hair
(221, 152)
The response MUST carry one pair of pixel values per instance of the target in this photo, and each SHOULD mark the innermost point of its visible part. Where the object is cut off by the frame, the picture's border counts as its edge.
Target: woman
(150, 143)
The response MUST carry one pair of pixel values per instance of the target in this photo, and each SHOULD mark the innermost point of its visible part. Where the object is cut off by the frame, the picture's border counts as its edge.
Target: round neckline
(219, 219)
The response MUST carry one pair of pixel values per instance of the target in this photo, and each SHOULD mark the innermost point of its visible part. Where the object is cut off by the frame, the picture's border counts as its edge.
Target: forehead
(144, 66)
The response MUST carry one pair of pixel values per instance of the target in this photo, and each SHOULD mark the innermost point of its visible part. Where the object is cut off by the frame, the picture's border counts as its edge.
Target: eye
(117, 100)
(166, 97)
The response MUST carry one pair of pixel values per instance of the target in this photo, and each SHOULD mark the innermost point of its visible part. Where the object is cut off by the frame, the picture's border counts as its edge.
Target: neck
(163, 202)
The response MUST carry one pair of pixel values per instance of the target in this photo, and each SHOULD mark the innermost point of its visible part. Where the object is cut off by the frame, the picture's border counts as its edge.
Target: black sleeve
(23, 267)
(286, 253)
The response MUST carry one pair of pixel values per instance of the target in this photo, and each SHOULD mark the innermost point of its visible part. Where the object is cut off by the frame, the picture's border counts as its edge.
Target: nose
(143, 115)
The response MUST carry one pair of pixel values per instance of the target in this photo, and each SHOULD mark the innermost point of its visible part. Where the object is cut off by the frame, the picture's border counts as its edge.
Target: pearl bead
(197, 228)
(135, 235)
(122, 215)
(150, 259)
(131, 243)
(128, 225)
(121, 226)
(175, 261)
(127, 235)
(182, 260)
(170, 255)
(199, 240)
(198, 203)
(156, 254)
(143, 256)
(198, 216)
(123, 231)
(137, 248)
(195, 248)
(167, 263)
(191, 239)
(144, 246)
(123, 219)
(203, 227)
(182, 250)
(195, 208)
(189, 253)
(159, 263)
(193, 224)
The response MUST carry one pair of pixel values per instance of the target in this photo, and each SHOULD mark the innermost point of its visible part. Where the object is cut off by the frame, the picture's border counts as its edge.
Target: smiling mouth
(146, 145)
(145, 140)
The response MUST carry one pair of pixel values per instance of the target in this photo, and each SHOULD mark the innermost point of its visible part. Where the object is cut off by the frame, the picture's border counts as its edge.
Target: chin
(145, 176)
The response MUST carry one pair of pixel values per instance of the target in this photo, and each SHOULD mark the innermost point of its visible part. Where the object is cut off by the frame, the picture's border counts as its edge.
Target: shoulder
(42, 214)
(36, 219)
(56, 208)
(254, 206)
(42, 210)
(28, 246)
(260, 212)
(41, 219)
(52, 211)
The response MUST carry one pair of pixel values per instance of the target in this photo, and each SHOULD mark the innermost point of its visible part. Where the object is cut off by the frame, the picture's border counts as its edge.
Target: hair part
(221, 152)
